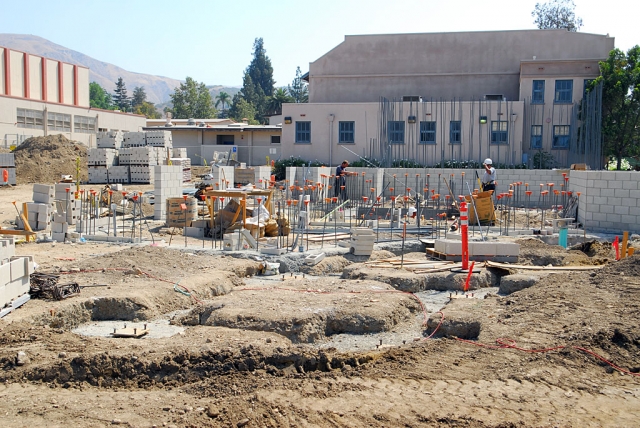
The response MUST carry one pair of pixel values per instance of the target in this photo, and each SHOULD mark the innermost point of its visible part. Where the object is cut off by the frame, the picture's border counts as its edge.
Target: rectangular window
(347, 132)
(564, 92)
(561, 135)
(455, 132)
(59, 122)
(303, 132)
(396, 132)
(537, 96)
(499, 131)
(427, 132)
(30, 118)
(84, 124)
(275, 139)
(536, 136)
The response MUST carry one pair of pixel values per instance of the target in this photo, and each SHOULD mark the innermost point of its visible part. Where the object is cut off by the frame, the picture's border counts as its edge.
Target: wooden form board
(327, 237)
(130, 332)
(526, 267)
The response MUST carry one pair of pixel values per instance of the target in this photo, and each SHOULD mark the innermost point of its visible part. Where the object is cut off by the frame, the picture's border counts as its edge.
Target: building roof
(234, 127)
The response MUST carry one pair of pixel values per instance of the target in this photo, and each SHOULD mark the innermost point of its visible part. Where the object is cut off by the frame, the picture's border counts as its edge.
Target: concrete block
(621, 193)
(43, 188)
(5, 273)
(482, 249)
(620, 209)
(314, 259)
(18, 268)
(508, 249)
(43, 198)
(58, 236)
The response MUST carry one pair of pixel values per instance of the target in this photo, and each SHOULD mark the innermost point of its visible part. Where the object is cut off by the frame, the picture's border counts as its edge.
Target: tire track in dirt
(402, 400)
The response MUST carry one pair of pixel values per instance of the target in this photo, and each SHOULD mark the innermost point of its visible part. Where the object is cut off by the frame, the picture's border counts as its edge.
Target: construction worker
(340, 181)
(489, 176)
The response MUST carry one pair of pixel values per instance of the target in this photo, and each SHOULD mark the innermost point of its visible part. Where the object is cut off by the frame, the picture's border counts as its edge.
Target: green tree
(556, 14)
(148, 110)
(99, 97)
(223, 98)
(120, 98)
(139, 96)
(241, 110)
(280, 96)
(192, 100)
(299, 89)
(620, 78)
(258, 83)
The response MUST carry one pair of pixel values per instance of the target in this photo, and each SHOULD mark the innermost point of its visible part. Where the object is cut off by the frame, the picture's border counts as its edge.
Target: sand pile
(46, 159)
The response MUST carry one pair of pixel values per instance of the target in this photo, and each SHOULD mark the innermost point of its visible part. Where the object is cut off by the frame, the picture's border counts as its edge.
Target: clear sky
(212, 40)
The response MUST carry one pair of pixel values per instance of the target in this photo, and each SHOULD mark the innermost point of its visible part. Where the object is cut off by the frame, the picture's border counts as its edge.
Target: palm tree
(223, 98)
(280, 96)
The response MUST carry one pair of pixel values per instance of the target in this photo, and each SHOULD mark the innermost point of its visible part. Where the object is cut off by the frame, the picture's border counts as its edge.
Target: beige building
(437, 97)
(251, 144)
(40, 96)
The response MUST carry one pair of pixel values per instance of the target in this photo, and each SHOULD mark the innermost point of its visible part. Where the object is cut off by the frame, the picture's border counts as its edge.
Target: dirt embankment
(46, 159)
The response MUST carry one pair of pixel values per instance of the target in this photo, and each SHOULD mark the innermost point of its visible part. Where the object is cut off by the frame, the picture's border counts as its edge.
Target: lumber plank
(526, 267)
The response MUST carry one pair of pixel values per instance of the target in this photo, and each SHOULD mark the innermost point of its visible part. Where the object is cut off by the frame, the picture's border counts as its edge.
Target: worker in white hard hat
(489, 176)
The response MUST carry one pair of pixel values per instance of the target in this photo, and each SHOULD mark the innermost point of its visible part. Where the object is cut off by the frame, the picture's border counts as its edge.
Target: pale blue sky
(212, 41)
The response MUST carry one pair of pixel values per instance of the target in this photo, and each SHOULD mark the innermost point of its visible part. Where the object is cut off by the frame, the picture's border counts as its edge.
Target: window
(275, 139)
(84, 124)
(427, 132)
(59, 122)
(561, 134)
(396, 132)
(30, 118)
(537, 96)
(346, 132)
(564, 91)
(303, 132)
(587, 82)
(455, 132)
(499, 131)
(536, 136)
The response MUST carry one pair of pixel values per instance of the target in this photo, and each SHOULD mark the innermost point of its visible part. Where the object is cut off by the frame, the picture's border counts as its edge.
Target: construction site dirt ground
(336, 344)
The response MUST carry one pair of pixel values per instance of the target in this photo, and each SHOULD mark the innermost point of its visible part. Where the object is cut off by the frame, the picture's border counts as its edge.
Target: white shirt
(488, 177)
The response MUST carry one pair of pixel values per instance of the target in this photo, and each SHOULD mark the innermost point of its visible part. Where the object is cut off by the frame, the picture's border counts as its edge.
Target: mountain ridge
(157, 88)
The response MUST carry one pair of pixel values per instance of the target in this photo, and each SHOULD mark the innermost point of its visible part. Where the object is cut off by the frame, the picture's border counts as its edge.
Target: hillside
(157, 88)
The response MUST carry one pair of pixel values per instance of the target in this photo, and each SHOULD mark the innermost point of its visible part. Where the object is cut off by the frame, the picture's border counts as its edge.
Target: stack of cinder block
(14, 277)
(185, 164)
(134, 139)
(167, 184)
(362, 240)
(101, 160)
(159, 139)
(179, 152)
(8, 162)
(39, 211)
(133, 161)
(67, 212)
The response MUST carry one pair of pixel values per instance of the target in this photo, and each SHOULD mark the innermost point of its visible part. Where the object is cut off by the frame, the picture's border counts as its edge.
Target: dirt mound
(535, 252)
(46, 159)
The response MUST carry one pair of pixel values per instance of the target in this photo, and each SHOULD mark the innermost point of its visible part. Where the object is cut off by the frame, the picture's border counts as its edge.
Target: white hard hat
(488, 161)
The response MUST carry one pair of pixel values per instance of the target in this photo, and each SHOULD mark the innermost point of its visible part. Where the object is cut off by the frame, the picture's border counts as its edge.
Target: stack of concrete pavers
(109, 140)
(8, 162)
(14, 277)
(362, 240)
